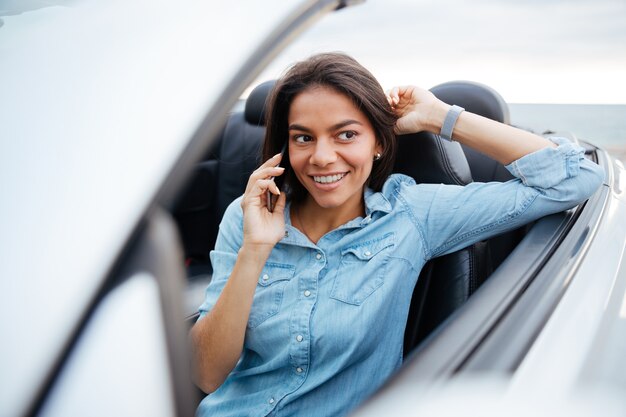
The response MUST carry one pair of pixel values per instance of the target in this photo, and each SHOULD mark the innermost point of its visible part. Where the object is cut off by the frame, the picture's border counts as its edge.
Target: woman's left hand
(417, 109)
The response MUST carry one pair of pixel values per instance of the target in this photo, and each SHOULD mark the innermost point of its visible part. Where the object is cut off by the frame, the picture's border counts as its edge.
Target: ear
(379, 148)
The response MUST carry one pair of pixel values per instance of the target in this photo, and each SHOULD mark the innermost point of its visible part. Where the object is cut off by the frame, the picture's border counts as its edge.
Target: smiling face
(331, 149)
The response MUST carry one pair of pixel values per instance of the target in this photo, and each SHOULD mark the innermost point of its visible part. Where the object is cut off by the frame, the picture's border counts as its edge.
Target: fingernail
(278, 154)
(280, 168)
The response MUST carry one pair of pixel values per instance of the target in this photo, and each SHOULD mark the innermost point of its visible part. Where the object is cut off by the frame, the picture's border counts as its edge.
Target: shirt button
(299, 370)
(286, 233)
(307, 293)
(318, 256)
(266, 277)
(368, 253)
(271, 400)
(299, 338)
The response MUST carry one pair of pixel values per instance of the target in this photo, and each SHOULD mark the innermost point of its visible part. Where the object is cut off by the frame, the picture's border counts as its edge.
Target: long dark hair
(346, 76)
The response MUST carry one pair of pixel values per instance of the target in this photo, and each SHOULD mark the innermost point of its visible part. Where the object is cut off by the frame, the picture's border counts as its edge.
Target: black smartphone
(271, 198)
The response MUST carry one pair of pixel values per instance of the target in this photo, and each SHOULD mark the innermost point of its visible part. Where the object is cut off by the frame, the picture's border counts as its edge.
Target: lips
(328, 179)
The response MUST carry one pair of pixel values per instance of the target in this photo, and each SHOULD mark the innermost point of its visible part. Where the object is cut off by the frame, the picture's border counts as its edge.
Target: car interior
(445, 283)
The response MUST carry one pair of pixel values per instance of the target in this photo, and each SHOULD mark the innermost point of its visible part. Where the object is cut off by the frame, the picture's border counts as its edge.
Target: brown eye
(302, 138)
(347, 135)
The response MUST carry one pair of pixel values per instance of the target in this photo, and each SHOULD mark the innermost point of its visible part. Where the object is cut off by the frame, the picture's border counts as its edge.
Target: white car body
(99, 101)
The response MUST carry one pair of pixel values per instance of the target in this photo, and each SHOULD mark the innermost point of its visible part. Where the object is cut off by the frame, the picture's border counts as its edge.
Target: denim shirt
(327, 322)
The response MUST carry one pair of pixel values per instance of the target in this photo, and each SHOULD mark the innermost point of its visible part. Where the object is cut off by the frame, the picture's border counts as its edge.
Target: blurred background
(561, 64)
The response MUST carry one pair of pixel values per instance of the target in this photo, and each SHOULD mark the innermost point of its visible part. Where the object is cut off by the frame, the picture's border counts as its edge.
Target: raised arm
(419, 110)
(552, 175)
(217, 338)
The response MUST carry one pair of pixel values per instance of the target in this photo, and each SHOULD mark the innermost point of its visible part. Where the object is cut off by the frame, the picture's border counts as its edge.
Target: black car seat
(484, 100)
(219, 179)
(434, 298)
(446, 282)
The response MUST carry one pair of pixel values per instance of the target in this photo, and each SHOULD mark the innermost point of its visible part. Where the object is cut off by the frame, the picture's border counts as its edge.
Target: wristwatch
(450, 121)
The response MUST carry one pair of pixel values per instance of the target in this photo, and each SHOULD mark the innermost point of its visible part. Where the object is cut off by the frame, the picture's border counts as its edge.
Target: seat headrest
(485, 101)
(256, 102)
(474, 97)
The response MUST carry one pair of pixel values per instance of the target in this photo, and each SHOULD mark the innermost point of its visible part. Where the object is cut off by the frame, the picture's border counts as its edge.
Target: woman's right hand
(262, 228)
(218, 338)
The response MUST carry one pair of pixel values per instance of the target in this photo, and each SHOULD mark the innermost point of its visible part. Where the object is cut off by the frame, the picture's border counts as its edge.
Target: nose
(324, 153)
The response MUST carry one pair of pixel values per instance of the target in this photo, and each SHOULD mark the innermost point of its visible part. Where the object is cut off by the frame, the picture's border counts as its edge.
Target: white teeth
(328, 178)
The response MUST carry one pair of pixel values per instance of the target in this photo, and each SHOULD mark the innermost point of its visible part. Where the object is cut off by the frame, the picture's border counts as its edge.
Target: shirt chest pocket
(362, 270)
(268, 294)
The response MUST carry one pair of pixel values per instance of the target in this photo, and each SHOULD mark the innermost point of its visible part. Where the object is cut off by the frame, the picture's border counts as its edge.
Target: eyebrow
(339, 125)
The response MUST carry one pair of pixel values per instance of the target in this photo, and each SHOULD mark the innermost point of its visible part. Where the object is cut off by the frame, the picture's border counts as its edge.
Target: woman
(305, 313)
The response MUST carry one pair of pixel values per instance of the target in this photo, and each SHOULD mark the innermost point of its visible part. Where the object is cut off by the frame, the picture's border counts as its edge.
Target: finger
(260, 187)
(267, 172)
(408, 92)
(273, 188)
(403, 126)
(256, 195)
(264, 174)
(393, 94)
(279, 207)
(270, 192)
(272, 162)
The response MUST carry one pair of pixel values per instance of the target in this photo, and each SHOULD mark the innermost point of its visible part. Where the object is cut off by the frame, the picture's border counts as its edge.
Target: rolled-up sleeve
(224, 256)
(549, 180)
(550, 168)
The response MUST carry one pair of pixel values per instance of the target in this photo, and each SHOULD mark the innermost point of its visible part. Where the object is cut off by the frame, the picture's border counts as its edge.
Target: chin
(329, 203)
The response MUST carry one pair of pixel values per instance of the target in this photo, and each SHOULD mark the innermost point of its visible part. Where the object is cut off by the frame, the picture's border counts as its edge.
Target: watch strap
(449, 122)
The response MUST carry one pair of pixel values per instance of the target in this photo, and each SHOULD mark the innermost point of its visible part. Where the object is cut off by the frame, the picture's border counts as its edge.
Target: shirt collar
(375, 201)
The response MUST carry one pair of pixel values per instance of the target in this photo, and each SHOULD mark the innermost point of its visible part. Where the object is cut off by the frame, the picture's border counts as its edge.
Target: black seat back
(484, 100)
(446, 282)
(219, 179)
